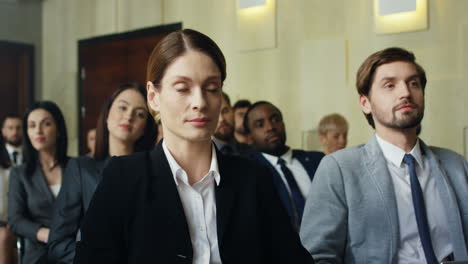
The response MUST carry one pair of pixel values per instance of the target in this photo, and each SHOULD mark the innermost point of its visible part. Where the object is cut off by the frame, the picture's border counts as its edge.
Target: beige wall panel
(257, 27)
(138, 14)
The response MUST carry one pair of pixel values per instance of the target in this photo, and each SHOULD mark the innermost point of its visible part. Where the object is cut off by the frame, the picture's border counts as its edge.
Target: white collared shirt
(300, 174)
(410, 248)
(199, 203)
(18, 149)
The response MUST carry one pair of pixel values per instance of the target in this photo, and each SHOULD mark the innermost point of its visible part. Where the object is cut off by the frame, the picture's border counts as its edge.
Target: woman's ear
(152, 96)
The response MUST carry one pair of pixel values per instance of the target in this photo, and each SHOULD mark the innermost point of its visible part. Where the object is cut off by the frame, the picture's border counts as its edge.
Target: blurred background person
(12, 133)
(35, 184)
(292, 169)
(333, 133)
(124, 127)
(224, 133)
(240, 108)
(91, 141)
(7, 239)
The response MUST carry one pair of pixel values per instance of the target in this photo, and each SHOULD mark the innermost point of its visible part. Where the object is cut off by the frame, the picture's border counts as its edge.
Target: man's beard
(406, 121)
(15, 143)
(227, 136)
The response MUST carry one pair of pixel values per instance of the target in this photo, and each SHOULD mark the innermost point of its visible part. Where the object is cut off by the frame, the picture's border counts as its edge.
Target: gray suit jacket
(83, 175)
(30, 203)
(351, 214)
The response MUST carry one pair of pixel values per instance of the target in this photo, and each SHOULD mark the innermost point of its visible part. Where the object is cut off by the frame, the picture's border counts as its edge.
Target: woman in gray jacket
(35, 184)
(124, 127)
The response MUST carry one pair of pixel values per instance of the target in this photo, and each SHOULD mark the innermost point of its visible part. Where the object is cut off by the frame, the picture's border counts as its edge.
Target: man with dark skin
(13, 135)
(292, 170)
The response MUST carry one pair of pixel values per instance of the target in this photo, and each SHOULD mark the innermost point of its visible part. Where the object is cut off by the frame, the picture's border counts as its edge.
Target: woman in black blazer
(184, 202)
(35, 184)
(124, 127)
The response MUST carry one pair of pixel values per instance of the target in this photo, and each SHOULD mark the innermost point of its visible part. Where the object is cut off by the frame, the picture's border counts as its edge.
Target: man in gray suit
(394, 199)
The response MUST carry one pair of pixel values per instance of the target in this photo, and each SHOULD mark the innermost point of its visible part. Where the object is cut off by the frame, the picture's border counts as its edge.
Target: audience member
(13, 136)
(124, 127)
(7, 239)
(240, 107)
(292, 170)
(35, 184)
(333, 133)
(367, 203)
(184, 202)
(224, 133)
(91, 141)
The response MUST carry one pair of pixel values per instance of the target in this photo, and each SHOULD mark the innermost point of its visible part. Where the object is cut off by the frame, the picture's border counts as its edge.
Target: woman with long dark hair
(35, 184)
(184, 202)
(124, 127)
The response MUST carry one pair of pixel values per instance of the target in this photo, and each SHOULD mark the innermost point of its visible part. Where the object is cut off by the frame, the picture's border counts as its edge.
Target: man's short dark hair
(11, 115)
(241, 104)
(253, 106)
(226, 97)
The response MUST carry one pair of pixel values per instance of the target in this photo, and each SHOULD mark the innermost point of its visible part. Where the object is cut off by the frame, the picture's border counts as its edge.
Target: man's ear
(364, 103)
(152, 96)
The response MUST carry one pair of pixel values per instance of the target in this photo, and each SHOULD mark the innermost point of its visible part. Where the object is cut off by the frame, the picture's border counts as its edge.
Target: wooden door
(109, 61)
(16, 77)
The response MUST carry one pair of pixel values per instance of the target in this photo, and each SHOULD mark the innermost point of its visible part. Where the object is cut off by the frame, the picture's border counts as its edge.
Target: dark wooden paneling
(109, 61)
(16, 77)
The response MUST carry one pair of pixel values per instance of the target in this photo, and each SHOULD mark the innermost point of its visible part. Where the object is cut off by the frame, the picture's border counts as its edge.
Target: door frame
(28, 51)
(109, 39)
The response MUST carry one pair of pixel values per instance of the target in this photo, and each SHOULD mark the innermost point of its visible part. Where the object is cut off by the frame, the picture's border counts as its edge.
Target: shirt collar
(179, 173)
(395, 154)
(288, 157)
(11, 148)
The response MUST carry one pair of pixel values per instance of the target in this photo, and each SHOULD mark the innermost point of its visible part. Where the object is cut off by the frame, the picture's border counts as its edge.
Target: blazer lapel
(40, 180)
(225, 194)
(279, 184)
(447, 194)
(375, 168)
(166, 201)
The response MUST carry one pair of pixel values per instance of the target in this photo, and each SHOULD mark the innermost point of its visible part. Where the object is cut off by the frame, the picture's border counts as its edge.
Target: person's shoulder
(446, 155)
(352, 155)
(240, 162)
(18, 170)
(308, 154)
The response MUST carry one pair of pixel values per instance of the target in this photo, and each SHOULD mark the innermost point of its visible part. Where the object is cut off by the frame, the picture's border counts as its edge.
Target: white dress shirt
(199, 203)
(410, 248)
(300, 174)
(19, 157)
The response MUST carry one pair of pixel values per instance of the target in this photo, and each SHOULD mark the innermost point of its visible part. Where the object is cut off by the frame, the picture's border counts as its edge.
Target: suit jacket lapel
(225, 194)
(447, 194)
(165, 199)
(279, 184)
(375, 168)
(40, 180)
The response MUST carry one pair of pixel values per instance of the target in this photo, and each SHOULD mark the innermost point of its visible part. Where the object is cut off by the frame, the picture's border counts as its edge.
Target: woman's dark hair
(5, 161)
(61, 143)
(176, 44)
(144, 143)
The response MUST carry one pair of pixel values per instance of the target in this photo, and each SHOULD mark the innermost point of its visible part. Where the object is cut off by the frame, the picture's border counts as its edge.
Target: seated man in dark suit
(292, 170)
(224, 134)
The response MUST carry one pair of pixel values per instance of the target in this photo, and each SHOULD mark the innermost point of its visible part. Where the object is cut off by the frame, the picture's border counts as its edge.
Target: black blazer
(136, 216)
(309, 160)
(30, 203)
(83, 175)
